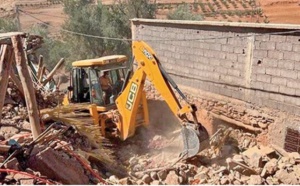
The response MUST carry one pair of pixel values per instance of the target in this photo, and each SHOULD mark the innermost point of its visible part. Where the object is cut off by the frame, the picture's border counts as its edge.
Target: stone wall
(257, 64)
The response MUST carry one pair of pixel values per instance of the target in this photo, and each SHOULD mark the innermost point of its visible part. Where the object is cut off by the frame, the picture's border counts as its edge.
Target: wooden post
(50, 75)
(29, 92)
(5, 66)
(40, 66)
(42, 74)
(16, 81)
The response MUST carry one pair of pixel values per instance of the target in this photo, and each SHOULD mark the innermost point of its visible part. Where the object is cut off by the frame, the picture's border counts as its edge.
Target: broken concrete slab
(255, 180)
(53, 164)
(287, 177)
(162, 175)
(23, 179)
(12, 164)
(156, 182)
(154, 176)
(270, 168)
(261, 150)
(147, 179)
(172, 178)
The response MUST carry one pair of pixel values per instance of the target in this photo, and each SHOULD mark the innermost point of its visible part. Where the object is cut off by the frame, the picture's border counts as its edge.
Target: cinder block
(260, 53)
(227, 79)
(287, 90)
(298, 92)
(262, 38)
(215, 46)
(275, 54)
(239, 41)
(222, 41)
(241, 58)
(263, 78)
(258, 70)
(271, 103)
(214, 62)
(293, 84)
(265, 45)
(289, 74)
(227, 48)
(215, 76)
(278, 38)
(297, 65)
(293, 39)
(286, 64)
(273, 71)
(221, 70)
(215, 89)
(262, 94)
(268, 62)
(279, 81)
(284, 46)
(291, 56)
(227, 92)
(232, 57)
(198, 52)
(296, 48)
(180, 36)
(292, 100)
(257, 85)
(277, 97)
(240, 50)
(234, 72)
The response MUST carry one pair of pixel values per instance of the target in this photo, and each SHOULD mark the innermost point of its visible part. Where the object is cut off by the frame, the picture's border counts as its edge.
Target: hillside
(261, 11)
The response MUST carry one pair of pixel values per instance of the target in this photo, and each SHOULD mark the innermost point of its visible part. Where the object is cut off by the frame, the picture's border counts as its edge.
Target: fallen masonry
(67, 153)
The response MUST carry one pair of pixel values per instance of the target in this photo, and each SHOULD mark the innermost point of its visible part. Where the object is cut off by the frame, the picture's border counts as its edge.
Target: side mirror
(70, 88)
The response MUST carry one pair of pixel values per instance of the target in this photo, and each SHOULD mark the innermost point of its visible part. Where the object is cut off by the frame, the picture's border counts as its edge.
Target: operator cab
(85, 85)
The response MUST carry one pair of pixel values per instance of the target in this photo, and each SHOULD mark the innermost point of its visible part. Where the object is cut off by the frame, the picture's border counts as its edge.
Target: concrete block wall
(255, 63)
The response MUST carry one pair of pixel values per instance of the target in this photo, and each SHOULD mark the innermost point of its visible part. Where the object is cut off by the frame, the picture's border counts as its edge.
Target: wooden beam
(17, 82)
(5, 66)
(29, 92)
(42, 74)
(40, 66)
(51, 74)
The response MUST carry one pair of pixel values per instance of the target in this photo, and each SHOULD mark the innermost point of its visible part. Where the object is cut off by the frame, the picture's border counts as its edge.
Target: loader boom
(134, 97)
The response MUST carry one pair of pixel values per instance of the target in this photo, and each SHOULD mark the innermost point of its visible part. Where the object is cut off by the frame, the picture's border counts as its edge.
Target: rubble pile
(237, 163)
(57, 157)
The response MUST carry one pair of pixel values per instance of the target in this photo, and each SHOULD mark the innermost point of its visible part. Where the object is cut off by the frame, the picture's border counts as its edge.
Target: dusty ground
(287, 11)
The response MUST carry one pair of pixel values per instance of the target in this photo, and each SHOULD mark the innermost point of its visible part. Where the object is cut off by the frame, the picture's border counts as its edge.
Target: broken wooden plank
(29, 91)
(40, 66)
(5, 67)
(17, 81)
(42, 74)
(51, 74)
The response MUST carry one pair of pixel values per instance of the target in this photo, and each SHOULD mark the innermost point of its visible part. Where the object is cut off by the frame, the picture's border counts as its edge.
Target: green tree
(183, 12)
(52, 49)
(99, 20)
(8, 25)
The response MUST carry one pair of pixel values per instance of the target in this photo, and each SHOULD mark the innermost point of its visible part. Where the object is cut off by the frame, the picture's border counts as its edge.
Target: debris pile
(237, 163)
(72, 151)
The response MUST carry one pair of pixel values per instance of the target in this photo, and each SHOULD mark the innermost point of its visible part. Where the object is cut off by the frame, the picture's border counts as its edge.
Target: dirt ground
(287, 11)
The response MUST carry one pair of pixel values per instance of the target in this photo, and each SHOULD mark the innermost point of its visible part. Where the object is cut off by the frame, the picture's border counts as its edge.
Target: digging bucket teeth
(195, 139)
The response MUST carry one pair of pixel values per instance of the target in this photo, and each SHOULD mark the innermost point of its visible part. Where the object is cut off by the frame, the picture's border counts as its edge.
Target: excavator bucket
(195, 139)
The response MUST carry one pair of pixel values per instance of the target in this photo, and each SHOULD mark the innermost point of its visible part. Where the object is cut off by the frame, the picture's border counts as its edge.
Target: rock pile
(249, 163)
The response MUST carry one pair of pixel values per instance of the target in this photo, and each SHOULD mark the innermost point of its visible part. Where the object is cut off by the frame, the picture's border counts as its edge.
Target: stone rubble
(242, 159)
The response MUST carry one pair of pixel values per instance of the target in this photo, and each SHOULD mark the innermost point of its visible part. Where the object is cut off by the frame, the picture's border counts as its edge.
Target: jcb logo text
(131, 96)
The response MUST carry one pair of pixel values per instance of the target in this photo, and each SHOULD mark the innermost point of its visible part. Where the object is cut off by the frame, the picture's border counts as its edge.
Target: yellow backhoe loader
(119, 105)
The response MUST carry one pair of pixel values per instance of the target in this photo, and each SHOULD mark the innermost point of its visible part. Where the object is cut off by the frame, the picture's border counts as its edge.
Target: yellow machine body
(130, 108)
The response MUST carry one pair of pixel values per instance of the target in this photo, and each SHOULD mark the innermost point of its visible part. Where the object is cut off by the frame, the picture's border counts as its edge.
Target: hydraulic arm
(133, 100)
